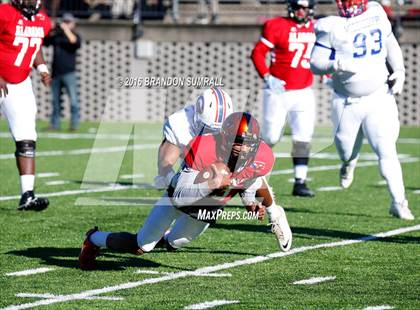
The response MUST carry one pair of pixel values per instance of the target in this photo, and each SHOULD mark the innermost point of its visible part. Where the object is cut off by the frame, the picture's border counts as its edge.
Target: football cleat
(401, 210)
(346, 175)
(88, 252)
(300, 189)
(280, 227)
(28, 202)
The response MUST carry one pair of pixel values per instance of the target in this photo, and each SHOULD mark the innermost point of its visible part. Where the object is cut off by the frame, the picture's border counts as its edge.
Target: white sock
(272, 211)
(27, 182)
(301, 172)
(98, 238)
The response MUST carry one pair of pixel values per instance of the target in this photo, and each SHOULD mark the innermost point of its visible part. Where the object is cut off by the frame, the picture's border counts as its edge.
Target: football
(208, 173)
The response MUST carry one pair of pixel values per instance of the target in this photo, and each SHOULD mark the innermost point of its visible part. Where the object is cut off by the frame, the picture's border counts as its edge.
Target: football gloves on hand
(274, 83)
(396, 81)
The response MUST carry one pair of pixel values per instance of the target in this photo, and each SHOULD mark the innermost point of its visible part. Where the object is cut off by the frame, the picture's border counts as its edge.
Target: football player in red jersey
(288, 80)
(22, 30)
(248, 159)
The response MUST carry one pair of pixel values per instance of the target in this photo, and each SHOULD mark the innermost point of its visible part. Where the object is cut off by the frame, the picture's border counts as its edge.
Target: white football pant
(375, 117)
(183, 228)
(19, 108)
(296, 106)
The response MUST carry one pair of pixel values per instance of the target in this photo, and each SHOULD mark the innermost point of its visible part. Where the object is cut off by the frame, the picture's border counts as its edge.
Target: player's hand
(396, 81)
(345, 66)
(162, 182)
(46, 78)
(220, 179)
(274, 83)
(4, 91)
(258, 207)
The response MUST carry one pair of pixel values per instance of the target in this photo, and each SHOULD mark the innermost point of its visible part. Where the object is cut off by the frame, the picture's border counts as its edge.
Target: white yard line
(99, 150)
(111, 188)
(47, 174)
(29, 272)
(216, 275)
(383, 307)
(417, 191)
(48, 296)
(326, 155)
(132, 176)
(211, 304)
(58, 182)
(334, 167)
(209, 269)
(315, 280)
(329, 189)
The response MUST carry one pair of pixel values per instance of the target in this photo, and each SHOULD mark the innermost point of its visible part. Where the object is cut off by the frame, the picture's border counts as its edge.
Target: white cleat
(401, 210)
(280, 227)
(346, 175)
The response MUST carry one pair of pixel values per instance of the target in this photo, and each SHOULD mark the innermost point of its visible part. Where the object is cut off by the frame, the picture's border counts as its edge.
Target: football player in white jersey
(355, 48)
(205, 116)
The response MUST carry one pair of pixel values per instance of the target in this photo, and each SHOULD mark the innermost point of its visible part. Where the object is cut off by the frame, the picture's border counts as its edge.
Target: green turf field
(110, 187)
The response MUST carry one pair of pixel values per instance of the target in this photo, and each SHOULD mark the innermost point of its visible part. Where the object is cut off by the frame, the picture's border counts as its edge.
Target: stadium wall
(107, 58)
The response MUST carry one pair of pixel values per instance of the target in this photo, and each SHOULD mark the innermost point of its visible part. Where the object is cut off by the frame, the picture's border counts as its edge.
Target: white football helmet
(211, 109)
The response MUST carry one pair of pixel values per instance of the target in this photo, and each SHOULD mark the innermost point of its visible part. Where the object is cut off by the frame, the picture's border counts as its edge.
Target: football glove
(274, 83)
(396, 81)
(162, 182)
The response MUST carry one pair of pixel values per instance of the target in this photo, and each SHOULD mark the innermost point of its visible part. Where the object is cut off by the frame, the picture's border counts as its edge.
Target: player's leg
(381, 127)
(70, 83)
(274, 116)
(302, 122)
(20, 110)
(348, 135)
(56, 105)
(157, 223)
(184, 230)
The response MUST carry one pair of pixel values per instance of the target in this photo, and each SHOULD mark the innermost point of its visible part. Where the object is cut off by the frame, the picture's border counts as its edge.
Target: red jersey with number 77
(20, 41)
(291, 45)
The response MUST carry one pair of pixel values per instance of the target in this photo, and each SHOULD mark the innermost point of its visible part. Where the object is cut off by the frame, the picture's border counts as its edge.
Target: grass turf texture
(385, 272)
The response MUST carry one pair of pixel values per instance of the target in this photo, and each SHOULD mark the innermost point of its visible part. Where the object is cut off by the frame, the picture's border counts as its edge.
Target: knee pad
(300, 152)
(25, 148)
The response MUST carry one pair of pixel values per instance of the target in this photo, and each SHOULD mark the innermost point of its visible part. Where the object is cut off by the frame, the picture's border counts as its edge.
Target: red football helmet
(351, 8)
(239, 129)
(28, 8)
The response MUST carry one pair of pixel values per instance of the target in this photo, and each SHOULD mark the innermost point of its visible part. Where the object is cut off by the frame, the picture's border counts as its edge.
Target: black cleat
(28, 202)
(300, 189)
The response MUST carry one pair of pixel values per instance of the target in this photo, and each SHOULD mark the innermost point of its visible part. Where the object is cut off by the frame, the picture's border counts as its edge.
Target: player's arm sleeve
(186, 192)
(263, 46)
(169, 134)
(248, 195)
(394, 54)
(323, 54)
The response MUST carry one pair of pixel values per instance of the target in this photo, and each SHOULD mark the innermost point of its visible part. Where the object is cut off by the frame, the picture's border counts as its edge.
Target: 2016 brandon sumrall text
(171, 81)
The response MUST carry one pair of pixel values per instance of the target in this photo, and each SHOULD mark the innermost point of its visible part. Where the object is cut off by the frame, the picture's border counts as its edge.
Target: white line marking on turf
(329, 189)
(211, 304)
(58, 182)
(209, 269)
(328, 155)
(292, 180)
(216, 275)
(315, 280)
(382, 182)
(333, 167)
(132, 176)
(88, 151)
(416, 191)
(48, 296)
(28, 272)
(115, 187)
(383, 307)
(47, 174)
